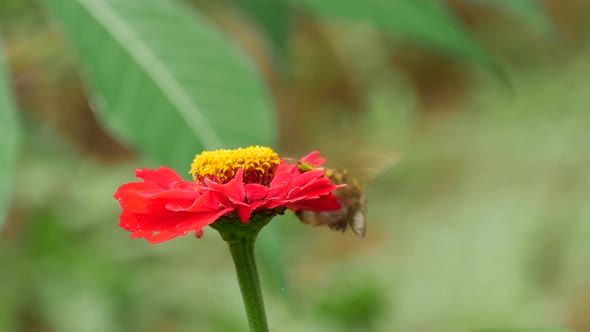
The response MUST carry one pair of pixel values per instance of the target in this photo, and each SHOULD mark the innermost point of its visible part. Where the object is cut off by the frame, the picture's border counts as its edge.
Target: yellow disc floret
(259, 164)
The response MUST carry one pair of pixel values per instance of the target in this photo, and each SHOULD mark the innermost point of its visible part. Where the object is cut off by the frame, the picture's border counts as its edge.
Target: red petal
(293, 186)
(313, 158)
(132, 202)
(244, 213)
(255, 192)
(135, 187)
(149, 201)
(197, 221)
(324, 203)
(166, 220)
(234, 189)
(306, 178)
(128, 222)
(317, 188)
(281, 178)
(206, 202)
(163, 176)
(155, 238)
(175, 194)
(286, 167)
(178, 206)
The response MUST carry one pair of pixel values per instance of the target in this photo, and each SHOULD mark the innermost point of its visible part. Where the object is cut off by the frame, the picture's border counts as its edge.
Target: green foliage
(9, 141)
(271, 254)
(164, 80)
(425, 21)
(529, 11)
(474, 204)
(356, 307)
(523, 330)
(482, 224)
(273, 18)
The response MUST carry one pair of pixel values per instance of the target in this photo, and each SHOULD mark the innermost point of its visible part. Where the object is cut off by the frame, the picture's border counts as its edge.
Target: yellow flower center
(259, 164)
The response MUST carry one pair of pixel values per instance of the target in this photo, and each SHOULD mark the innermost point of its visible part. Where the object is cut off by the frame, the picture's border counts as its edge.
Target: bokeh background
(467, 122)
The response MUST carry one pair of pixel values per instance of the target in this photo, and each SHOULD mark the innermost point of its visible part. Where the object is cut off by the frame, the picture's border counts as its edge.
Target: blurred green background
(467, 122)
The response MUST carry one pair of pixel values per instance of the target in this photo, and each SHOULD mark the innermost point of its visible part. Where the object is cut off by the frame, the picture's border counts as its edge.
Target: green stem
(242, 251)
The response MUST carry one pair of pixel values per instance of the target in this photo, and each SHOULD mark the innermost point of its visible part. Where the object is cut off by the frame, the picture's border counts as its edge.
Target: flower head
(229, 184)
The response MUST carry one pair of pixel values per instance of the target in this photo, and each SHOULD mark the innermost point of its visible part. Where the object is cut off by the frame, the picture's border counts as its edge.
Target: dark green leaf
(425, 21)
(273, 19)
(9, 140)
(528, 10)
(164, 80)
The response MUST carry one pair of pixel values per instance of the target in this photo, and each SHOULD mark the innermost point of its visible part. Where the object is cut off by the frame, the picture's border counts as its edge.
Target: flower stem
(242, 251)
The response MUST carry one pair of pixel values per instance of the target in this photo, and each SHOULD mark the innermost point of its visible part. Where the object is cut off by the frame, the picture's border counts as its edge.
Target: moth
(353, 205)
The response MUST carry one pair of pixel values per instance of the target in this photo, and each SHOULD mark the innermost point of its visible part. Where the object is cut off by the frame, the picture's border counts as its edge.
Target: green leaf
(9, 140)
(528, 10)
(523, 330)
(164, 80)
(273, 19)
(426, 21)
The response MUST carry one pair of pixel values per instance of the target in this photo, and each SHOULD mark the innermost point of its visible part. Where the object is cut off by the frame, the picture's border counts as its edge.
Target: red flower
(228, 184)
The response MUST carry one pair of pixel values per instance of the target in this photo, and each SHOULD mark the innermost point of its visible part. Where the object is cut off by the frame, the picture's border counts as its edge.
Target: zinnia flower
(228, 184)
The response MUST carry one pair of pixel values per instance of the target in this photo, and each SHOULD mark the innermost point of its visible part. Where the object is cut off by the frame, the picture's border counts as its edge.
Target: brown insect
(353, 210)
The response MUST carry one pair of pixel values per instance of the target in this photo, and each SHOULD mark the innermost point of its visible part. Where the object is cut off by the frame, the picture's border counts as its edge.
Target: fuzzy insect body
(353, 205)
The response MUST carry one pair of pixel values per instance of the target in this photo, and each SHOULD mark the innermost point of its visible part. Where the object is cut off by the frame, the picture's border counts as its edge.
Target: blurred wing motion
(376, 165)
